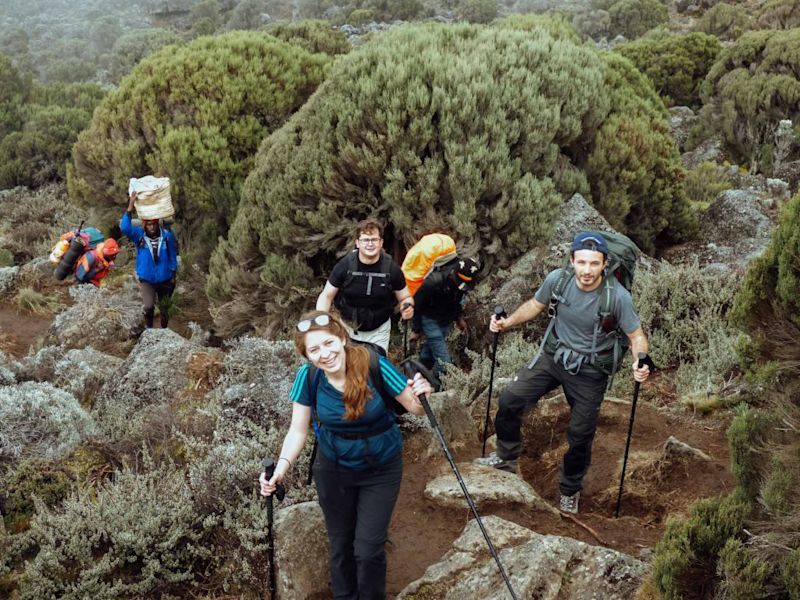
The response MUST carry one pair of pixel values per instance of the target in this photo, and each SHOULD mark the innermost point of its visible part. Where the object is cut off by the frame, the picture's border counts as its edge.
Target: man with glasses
(576, 345)
(366, 286)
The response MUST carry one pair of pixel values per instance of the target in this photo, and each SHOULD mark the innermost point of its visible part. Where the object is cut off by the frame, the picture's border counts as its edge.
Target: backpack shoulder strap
(377, 378)
(352, 267)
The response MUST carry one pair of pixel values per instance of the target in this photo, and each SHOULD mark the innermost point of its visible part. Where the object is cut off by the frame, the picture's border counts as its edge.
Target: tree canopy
(476, 130)
(195, 113)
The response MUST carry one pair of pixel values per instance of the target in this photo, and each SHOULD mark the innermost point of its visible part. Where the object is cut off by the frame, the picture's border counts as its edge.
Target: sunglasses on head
(320, 320)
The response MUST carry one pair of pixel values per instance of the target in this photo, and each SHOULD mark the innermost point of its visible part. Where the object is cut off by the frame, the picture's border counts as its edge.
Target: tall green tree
(195, 113)
(676, 65)
(753, 85)
(477, 130)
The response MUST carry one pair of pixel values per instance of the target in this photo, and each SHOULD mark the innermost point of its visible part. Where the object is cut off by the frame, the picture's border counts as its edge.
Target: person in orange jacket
(96, 263)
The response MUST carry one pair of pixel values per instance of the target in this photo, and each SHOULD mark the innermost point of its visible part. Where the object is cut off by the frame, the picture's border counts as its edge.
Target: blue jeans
(435, 347)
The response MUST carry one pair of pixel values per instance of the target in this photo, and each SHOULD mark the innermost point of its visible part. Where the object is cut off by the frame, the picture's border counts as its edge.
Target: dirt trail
(19, 330)
(422, 532)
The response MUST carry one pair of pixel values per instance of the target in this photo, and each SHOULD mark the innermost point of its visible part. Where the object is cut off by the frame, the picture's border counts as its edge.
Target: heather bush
(39, 420)
(82, 372)
(33, 220)
(704, 183)
(686, 557)
(32, 478)
(634, 168)
(54, 115)
(140, 536)
(394, 135)
(556, 25)
(195, 113)
(779, 14)
(681, 308)
(751, 87)
(676, 65)
(772, 283)
(632, 18)
(129, 49)
(476, 11)
(726, 21)
(313, 35)
(13, 92)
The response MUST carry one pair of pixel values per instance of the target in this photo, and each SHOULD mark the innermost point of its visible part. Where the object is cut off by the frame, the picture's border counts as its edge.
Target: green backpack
(622, 257)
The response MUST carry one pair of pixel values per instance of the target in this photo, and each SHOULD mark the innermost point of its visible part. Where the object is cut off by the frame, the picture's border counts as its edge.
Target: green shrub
(14, 90)
(35, 302)
(750, 89)
(632, 18)
(790, 573)
(33, 477)
(779, 14)
(778, 490)
(476, 11)
(704, 183)
(556, 25)
(726, 21)
(772, 282)
(133, 46)
(37, 420)
(684, 310)
(140, 536)
(361, 16)
(744, 576)
(195, 113)
(311, 35)
(747, 435)
(685, 559)
(6, 258)
(676, 65)
(394, 135)
(634, 167)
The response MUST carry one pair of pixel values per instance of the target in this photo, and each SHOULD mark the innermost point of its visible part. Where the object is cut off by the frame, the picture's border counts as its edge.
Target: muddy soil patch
(421, 532)
(19, 330)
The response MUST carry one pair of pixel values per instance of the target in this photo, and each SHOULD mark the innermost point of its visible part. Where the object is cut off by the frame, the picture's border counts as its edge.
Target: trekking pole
(280, 492)
(499, 313)
(644, 359)
(405, 331)
(437, 430)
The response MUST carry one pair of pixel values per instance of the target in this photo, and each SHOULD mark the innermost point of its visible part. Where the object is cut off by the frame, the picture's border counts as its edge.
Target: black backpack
(621, 268)
(366, 318)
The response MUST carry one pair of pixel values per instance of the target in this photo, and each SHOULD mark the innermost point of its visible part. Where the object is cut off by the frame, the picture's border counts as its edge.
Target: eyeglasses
(369, 241)
(321, 320)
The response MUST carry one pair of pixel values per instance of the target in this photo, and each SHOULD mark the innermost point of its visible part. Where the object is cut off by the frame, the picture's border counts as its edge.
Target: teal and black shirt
(355, 454)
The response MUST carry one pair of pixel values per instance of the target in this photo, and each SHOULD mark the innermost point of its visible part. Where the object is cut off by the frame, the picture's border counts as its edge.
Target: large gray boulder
(734, 230)
(455, 422)
(681, 121)
(99, 317)
(486, 485)
(153, 372)
(708, 151)
(544, 567)
(257, 377)
(302, 559)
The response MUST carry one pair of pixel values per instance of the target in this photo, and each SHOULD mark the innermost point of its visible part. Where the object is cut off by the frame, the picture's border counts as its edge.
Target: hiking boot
(148, 318)
(494, 461)
(569, 504)
(164, 321)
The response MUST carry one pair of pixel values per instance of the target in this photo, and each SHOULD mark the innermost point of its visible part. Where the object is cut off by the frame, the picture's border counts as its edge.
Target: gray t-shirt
(578, 312)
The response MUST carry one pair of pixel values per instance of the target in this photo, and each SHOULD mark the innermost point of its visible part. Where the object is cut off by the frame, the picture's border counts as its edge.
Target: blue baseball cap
(590, 240)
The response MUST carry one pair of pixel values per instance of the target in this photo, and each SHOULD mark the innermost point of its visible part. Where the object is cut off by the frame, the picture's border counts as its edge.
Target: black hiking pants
(357, 506)
(584, 393)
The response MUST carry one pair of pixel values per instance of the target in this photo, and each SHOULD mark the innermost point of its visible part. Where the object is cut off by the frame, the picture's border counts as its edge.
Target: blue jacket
(146, 268)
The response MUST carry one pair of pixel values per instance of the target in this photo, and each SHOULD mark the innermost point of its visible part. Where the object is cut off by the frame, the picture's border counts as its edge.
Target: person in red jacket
(96, 263)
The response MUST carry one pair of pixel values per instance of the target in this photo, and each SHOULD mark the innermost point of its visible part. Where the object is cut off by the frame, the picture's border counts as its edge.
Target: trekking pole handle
(499, 312)
(269, 470)
(644, 359)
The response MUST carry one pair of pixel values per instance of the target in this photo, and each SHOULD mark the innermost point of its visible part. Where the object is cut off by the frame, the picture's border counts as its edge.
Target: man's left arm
(173, 254)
